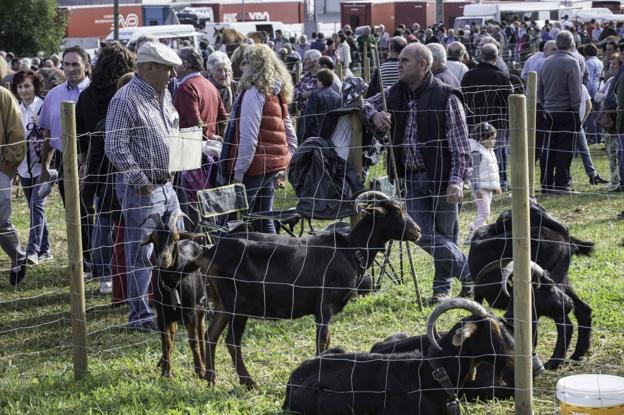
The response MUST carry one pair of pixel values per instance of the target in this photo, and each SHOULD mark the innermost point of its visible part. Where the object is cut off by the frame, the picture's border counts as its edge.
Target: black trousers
(558, 152)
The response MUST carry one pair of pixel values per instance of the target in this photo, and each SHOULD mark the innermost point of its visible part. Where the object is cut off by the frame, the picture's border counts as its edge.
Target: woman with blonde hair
(260, 138)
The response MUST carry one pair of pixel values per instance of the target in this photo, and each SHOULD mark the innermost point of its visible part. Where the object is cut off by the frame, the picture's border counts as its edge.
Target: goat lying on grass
(552, 248)
(280, 277)
(424, 381)
(180, 292)
(547, 299)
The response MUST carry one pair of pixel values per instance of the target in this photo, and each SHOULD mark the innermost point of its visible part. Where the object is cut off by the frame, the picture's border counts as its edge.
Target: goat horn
(538, 272)
(455, 303)
(174, 218)
(506, 273)
(367, 197)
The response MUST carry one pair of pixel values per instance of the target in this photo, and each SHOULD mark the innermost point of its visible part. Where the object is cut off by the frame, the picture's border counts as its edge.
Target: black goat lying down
(180, 293)
(279, 277)
(552, 248)
(484, 386)
(423, 381)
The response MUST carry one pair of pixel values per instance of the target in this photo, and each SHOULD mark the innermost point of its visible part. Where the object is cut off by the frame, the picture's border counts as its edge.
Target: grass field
(36, 375)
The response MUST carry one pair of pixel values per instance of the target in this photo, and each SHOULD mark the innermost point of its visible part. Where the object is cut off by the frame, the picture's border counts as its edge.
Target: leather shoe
(17, 274)
(594, 180)
(438, 298)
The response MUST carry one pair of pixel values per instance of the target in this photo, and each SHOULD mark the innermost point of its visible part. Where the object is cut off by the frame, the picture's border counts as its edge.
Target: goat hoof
(553, 364)
(249, 384)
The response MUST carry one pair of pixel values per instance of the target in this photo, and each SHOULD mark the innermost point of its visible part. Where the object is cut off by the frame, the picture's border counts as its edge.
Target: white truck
(482, 13)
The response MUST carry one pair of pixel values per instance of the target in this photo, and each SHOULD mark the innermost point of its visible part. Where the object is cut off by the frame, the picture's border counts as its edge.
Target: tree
(31, 26)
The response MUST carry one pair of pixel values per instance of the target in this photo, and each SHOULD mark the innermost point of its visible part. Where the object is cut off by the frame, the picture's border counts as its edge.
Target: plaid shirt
(138, 123)
(307, 83)
(456, 133)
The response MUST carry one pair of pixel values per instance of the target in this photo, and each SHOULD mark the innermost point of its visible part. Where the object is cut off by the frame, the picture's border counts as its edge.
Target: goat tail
(579, 247)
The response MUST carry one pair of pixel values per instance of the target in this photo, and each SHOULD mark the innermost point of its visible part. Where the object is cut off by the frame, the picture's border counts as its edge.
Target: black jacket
(485, 90)
(318, 104)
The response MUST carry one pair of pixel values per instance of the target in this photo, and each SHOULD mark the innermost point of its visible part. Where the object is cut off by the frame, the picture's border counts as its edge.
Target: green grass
(36, 373)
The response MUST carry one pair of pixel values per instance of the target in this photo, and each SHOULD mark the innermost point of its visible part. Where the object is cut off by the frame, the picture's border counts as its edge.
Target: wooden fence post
(74, 240)
(355, 152)
(521, 233)
(531, 109)
(340, 72)
(367, 68)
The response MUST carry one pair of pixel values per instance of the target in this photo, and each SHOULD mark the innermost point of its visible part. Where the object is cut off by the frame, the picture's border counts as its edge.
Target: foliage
(35, 338)
(31, 26)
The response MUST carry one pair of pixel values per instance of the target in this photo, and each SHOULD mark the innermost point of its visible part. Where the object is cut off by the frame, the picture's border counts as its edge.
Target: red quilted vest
(272, 149)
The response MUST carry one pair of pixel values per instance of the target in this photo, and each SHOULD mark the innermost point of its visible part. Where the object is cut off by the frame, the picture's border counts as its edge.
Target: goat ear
(147, 240)
(463, 333)
(377, 210)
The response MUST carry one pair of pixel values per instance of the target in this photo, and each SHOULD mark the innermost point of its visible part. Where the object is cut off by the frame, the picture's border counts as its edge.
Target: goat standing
(180, 294)
(279, 277)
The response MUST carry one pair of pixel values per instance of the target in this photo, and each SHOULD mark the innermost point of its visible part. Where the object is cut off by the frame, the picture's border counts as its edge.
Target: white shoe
(45, 257)
(106, 287)
(32, 259)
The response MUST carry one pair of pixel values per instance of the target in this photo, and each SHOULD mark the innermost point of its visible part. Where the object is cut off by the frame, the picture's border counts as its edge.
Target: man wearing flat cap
(139, 121)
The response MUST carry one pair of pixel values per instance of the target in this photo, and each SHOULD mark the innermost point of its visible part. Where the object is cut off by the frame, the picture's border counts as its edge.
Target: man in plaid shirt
(139, 121)
(430, 148)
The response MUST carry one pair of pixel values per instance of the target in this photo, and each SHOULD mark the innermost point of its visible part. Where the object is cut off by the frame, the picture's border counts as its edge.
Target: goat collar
(439, 374)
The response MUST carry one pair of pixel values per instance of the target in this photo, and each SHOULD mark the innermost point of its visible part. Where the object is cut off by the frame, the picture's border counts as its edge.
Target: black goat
(280, 277)
(552, 248)
(484, 386)
(424, 381)
(180, 294)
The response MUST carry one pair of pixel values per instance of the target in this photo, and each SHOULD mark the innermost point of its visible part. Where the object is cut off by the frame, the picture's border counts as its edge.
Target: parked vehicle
(197, 16)
(173, 35)
(482, 13)
(599, 14)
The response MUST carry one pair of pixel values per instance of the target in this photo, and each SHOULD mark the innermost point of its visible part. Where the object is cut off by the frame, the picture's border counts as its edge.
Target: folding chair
(216, 204)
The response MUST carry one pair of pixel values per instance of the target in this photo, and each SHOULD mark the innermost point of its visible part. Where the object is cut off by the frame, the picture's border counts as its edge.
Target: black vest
(432, 100)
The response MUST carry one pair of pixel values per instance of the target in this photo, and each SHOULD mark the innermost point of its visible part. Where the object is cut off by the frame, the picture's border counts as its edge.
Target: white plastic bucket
(591, 395)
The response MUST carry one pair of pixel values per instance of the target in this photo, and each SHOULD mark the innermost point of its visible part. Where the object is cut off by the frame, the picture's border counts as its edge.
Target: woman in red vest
(264, 139)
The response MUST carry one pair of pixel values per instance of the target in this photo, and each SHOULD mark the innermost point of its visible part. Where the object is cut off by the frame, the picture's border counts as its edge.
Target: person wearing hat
(140, 118)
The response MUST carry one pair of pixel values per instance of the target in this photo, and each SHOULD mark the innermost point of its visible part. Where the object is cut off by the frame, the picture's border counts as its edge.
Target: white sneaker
(46, 256)
(106, 287)
(32, 259)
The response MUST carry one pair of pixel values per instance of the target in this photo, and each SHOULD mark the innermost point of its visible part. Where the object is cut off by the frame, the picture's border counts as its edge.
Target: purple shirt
(50, 117)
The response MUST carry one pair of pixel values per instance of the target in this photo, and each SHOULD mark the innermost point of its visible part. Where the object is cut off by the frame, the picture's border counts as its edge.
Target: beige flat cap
(158, 53)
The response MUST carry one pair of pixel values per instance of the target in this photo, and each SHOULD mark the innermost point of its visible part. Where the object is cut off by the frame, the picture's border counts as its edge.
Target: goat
(424, 381)
(180, 294)
(545, 293)
(281, 277)
(552, 248)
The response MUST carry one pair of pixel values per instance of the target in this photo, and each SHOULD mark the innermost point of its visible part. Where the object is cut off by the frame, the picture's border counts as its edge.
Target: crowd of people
(439, 94)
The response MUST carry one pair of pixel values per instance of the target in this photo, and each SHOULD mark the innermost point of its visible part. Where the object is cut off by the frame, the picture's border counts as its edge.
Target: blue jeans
(439, 225)
(582, 149)
(136, 208)
(38, 242)
(501, 149)
(260, 191)
(102, 242)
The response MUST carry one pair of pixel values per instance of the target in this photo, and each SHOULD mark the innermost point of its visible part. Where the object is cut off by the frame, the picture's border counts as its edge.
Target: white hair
(312, 55)
(438, 52)
(217, 58)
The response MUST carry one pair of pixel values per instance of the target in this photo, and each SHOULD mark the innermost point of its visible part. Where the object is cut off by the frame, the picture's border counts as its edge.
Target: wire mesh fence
(279, 275)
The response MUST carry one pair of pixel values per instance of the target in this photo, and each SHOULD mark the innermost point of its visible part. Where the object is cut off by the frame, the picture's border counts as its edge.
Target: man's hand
(382, 120)
(146, 190)
(454, 193)
(280, 180)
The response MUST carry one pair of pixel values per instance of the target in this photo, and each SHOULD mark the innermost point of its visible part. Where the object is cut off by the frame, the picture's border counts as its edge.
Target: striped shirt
(389, 72)
(138, 124)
